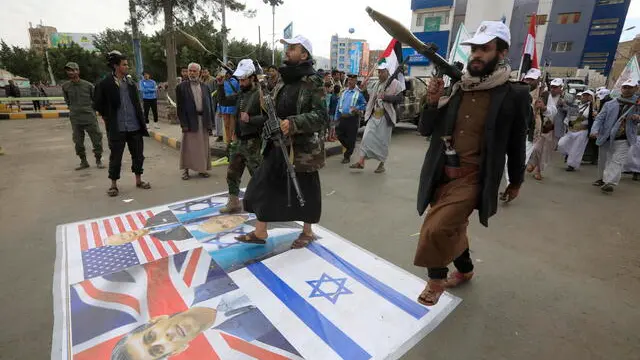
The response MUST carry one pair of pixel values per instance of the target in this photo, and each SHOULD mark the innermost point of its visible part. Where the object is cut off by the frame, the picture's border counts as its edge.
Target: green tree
(182, 10)
(22, 62)
(92, 64)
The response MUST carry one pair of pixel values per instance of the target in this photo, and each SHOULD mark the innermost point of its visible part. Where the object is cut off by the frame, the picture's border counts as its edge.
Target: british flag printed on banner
(181, 307)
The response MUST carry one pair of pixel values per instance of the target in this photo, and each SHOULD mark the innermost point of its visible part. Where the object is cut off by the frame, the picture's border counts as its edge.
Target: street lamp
(273, 4)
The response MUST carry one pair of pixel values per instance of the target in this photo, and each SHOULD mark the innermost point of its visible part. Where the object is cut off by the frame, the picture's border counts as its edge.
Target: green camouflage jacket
(308, 125)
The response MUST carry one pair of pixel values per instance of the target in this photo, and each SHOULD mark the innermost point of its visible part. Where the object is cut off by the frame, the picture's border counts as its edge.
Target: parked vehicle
(415, 90)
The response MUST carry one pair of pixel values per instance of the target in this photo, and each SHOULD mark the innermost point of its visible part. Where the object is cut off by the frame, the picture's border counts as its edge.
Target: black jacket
(107, 102)
(249, 102)
(186, 107)
(505, 134)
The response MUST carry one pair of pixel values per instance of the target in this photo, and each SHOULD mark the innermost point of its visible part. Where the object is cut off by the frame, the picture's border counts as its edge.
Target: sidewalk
(44, 114)
(170, 135)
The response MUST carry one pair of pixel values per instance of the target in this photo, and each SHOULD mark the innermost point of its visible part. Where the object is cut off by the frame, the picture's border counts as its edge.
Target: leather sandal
(432, 292)
(143, 185)
(113, 191)
(303, 241)
(251, 238)
(457, 278)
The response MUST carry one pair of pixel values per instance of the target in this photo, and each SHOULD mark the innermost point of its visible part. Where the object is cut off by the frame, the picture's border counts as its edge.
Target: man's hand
(352, 110)
(435, 91)
(594, 136)
(244, 117)
(510, 193)
(284, 126)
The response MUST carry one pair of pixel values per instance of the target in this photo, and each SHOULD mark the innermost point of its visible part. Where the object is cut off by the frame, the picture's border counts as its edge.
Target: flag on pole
(392, 56)
(529, 54)
(630, 72)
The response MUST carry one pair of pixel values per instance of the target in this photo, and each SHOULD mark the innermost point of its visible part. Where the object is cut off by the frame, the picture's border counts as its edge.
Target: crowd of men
(486, 125)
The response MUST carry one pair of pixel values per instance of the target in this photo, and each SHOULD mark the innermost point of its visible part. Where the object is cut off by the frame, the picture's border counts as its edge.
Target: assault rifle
(272, 132)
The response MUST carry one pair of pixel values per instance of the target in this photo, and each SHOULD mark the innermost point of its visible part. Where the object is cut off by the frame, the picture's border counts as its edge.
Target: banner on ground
(172, 282)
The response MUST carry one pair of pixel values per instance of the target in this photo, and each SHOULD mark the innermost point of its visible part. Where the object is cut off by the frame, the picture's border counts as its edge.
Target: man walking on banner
(350, 107)
(245, 149)
(149, 90)
(381, 118)
(615, 130)
(118, 102)
(196, 118)
(79, 96)
(472, 130)
(299, 104)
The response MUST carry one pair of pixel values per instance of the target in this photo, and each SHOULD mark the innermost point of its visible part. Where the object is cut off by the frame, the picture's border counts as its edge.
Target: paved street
(558, 271)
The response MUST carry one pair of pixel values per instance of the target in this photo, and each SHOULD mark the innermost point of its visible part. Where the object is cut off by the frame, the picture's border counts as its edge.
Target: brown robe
(195, 153)
(443, 235)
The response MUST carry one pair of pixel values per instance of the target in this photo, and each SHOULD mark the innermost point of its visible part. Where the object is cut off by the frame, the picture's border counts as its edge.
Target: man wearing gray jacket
(615, 130)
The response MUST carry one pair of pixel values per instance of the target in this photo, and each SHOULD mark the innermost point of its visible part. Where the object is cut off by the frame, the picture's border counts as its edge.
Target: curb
(24, 116)
(216, 152)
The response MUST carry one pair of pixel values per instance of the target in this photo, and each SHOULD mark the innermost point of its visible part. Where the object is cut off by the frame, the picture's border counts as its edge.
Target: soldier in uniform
(245, 149)
(78, 94)
(298, 101)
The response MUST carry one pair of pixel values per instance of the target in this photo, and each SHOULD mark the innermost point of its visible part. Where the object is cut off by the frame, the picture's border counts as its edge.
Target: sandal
(432, 292)
(356, 166)
(457, 278)
(530, 168)
(143, 185)
(113, 191)
(204, 175)
(251, 238)
(185, 175)
(538, 176)
(303, 241)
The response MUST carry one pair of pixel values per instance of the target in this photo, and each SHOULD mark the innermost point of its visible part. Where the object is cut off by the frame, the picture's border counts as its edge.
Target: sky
(317, 20)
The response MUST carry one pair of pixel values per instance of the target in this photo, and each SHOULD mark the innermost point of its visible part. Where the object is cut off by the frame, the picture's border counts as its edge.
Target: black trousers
(462, 263)
(347, 132)
(153, 105)
(36, 105)
(133, 140)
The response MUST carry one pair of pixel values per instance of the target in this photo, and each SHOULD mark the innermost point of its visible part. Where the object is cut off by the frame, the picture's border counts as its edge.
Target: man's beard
(488, 68)
(247, 87)
(194, 79)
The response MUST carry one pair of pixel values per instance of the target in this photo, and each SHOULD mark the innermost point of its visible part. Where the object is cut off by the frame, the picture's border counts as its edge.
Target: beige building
(40, 37)
(624, 53)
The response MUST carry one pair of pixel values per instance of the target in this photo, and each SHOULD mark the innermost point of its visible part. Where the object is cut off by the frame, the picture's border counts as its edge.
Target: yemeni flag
(529, 54)
(392, 56)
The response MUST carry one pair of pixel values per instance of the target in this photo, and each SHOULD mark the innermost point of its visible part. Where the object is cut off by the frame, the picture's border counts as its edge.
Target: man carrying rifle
(298, 99)
(245, 149)
(471, 131)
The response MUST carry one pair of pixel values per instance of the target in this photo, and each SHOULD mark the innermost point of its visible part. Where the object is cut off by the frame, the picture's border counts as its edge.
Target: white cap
(299, 39)
(245, 69)
(488, 31)
(588, 92)
(630, 82)
(533, 73)
(603, 93)
(557, 82)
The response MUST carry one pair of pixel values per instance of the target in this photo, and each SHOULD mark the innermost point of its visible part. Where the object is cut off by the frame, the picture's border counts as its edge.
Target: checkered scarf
(473, 83)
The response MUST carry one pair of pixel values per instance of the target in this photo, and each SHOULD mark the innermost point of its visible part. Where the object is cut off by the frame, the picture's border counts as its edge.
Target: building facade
(349, 55)
(40, 37)
(570, 34)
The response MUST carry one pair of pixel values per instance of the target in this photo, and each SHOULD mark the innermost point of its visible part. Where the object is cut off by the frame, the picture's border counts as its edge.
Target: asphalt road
(557, 273)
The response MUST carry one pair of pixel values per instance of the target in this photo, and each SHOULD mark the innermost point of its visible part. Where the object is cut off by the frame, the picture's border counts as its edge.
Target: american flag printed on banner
(107, 308)
(98, 258)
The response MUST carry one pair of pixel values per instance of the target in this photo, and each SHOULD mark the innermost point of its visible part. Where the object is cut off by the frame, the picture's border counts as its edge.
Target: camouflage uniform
(307, 127)
(245, 150)
(79, 97)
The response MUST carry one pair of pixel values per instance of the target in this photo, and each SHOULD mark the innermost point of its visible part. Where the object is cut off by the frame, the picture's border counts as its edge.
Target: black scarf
(293, 72)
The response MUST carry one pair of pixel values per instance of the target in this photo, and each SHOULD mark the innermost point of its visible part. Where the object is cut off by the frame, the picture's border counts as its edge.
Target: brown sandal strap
(251, 238)
(303, 241)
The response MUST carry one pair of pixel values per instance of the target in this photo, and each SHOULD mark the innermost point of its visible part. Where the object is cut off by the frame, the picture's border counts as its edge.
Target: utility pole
(170, 47)
(135, 34)
(273, 34)
(224, 32)
(259, 43)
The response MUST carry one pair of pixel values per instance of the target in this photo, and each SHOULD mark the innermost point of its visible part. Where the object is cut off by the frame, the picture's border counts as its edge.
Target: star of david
(339, 288)
(215, 239)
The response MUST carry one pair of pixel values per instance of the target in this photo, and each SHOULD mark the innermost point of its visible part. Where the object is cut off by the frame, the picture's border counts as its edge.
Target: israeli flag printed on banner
(333, 300)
